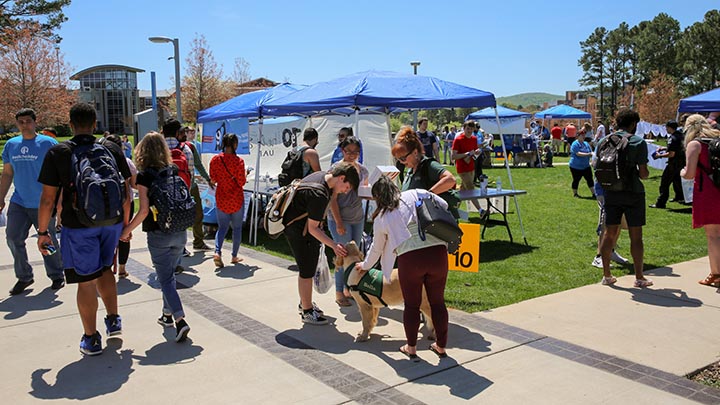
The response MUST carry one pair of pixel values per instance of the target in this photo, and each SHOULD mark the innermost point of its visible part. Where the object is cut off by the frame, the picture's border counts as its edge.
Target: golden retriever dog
(391, 294)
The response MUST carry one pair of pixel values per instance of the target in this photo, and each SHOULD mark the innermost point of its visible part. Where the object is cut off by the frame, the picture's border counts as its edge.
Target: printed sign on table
(212, 134)
(467, 258)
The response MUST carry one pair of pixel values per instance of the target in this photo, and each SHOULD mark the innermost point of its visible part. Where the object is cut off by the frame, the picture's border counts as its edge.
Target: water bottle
(498, 185)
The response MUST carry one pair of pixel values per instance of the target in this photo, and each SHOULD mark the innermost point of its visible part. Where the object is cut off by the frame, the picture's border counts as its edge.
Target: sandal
(712, 280)
(121, 272)
(608, 280)
(433, 349)
(218, 261)
(413, 357)
(343, 302)
(643, 282)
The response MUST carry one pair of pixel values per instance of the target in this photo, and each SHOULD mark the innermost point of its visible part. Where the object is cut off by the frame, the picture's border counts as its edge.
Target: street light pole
(415, 65)
(176, 46)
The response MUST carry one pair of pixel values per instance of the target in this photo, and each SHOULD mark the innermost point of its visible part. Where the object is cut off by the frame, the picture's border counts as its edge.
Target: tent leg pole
(254, 225)
(507, 168)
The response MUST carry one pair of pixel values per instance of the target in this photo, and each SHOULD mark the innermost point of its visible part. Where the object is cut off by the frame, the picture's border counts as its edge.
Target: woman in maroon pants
(420, 263)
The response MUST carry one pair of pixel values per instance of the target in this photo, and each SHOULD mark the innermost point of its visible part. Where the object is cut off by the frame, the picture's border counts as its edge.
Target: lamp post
(176, 45)
(415, 65)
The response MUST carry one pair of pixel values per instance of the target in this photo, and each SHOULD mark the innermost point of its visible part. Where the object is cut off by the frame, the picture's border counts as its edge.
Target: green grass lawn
(561, 239)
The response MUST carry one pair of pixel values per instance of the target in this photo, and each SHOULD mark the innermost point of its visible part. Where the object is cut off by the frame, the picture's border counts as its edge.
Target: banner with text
(213, 132)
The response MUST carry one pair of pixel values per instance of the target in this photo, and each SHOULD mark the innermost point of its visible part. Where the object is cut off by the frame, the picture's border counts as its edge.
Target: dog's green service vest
(370, 283)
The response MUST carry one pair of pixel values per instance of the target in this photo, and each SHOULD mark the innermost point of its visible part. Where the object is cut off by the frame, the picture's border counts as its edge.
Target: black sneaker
(179, 269)
(314, 318)
(204, 247)
(181, 330)
(57, 284)
(20, 286)
(186, 253)
(314, 307)
(165, 320)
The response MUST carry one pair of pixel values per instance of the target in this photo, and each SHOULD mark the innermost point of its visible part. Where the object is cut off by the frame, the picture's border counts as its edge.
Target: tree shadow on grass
(89, 377)
(498, 250)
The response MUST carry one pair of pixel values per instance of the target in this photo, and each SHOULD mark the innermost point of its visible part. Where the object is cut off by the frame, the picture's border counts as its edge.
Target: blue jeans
(225, 220)
(165, 251)
(19, 221)
(352, 232)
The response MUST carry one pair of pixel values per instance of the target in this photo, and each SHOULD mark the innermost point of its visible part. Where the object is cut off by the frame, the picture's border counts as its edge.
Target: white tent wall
(372, 131)
(508, 125)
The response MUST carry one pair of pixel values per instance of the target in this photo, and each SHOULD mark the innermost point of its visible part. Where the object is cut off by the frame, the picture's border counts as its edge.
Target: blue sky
(505, 47)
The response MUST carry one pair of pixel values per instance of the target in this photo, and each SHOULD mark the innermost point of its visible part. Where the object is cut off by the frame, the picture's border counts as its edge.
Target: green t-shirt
(414, 179)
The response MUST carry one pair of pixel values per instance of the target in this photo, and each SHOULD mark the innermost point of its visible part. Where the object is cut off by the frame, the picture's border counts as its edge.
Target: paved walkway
(590, 345)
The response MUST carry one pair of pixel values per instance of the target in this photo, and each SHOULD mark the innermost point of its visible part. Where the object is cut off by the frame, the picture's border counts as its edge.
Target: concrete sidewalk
(590, 345)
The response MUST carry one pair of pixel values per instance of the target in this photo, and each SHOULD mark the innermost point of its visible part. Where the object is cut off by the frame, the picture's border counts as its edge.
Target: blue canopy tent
(502, 112)
(563, 111)
(248, 105)
(703, 102)
(387, 92)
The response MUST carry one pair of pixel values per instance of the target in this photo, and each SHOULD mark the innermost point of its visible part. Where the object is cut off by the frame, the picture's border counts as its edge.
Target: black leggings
(124, 247)
(577, 174)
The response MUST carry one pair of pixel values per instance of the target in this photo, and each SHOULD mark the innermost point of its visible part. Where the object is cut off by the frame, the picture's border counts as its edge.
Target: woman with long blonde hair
(705, 194)
(152, 155)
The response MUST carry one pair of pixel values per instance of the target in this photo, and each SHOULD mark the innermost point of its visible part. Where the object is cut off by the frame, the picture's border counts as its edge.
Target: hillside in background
(526, 99)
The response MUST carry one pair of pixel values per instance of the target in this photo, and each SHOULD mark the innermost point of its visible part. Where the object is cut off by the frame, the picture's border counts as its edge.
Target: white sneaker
(597, 262)
(313, 318)
(618, 259)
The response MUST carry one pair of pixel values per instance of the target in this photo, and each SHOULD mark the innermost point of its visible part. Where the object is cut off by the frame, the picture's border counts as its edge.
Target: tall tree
(657, 101)
(617, 59)
(46, 14)
(33, 74)
(655, 48)
(699, 55)
(203, 86)
(592, 63)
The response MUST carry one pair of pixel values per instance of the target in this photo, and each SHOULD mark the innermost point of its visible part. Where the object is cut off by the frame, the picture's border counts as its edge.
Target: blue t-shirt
(26, 158)
(579, 162)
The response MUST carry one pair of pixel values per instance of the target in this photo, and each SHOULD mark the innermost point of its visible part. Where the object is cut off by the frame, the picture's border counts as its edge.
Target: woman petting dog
(345, 221)
(420, 263)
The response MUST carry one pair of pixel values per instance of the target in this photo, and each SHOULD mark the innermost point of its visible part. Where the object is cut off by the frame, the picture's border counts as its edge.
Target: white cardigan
(390, 231)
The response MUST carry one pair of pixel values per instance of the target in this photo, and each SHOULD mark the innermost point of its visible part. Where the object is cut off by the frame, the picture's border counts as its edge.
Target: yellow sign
(467, 258)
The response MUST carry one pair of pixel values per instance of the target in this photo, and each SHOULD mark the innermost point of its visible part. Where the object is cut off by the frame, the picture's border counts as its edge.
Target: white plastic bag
(322, 282)
(3, 219)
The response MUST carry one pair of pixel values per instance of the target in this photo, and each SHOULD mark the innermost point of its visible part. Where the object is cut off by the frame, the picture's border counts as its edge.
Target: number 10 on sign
(467, 258)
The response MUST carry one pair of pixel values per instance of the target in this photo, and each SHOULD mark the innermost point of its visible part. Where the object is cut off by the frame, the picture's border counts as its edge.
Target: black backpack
(292, 166)
(174, 206)
(612, 169)
(96, 183)
(714, 156)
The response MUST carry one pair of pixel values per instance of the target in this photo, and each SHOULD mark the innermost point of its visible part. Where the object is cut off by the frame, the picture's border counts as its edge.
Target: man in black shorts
(630, 201)
(87, 252)
(305, 234)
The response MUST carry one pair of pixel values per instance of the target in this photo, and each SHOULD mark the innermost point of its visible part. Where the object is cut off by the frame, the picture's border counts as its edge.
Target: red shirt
(229, 196)
(571, 131)
(556, 132)
(463, 144)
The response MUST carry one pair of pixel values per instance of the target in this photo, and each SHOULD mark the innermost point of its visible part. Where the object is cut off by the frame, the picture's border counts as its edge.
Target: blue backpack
(97, 185)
